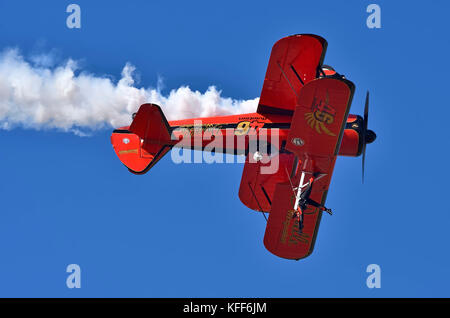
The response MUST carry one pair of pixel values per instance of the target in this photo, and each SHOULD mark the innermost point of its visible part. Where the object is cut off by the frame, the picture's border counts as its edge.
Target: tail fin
(147, 140)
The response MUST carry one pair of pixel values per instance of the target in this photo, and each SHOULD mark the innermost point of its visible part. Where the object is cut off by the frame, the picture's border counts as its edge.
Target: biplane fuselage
(237, 131)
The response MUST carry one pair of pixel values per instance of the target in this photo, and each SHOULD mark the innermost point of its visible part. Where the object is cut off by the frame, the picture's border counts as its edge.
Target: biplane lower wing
(314, 138)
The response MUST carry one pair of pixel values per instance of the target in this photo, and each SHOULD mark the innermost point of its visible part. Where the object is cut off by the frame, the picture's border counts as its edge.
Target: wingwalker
(302, 124)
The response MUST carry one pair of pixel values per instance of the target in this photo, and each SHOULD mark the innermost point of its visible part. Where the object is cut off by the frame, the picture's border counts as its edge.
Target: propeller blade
(364, 133)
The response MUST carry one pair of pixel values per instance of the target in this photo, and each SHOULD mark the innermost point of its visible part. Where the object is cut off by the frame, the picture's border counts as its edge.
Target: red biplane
(303, 110)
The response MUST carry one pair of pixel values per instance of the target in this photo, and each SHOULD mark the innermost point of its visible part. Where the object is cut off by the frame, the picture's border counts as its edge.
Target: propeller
(368, 136)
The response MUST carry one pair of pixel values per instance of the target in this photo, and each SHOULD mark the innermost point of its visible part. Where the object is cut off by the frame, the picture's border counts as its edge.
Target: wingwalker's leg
(299, 191)
(318, 205)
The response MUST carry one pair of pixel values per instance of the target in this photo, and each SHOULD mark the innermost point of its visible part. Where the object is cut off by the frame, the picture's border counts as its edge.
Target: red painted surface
(301, 111)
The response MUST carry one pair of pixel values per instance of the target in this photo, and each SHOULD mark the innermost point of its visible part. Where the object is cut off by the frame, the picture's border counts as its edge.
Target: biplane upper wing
(314, 139)
(295, 60)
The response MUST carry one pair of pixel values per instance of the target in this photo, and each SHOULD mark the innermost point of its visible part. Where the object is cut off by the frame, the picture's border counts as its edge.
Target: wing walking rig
(304, 106)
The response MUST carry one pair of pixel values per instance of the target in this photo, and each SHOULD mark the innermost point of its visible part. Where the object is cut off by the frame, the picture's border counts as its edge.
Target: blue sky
(181, 230)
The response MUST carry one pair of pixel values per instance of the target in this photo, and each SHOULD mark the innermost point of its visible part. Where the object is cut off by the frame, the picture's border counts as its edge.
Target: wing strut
(296, 74)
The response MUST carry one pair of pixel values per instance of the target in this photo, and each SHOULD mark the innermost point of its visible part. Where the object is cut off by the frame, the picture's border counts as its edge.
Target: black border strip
(272, 305)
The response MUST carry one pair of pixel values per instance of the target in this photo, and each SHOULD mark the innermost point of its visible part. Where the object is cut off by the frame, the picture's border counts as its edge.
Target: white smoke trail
(35, 95)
